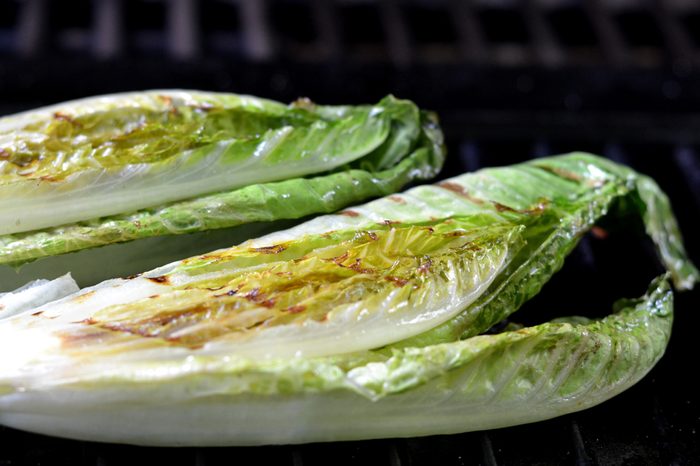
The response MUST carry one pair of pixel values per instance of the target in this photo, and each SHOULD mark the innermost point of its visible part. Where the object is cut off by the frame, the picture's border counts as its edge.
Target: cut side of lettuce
(362, 324)
(120, 168)
(483, 382)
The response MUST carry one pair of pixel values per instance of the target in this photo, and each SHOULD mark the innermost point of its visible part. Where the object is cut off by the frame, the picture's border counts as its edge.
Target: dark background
(511, 80)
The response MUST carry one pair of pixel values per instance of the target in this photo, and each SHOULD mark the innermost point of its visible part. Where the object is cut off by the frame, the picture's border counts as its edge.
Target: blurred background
(511, 80)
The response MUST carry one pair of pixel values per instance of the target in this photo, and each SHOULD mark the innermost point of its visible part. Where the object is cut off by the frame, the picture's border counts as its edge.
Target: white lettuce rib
(94, 190)
(371, 322)
(35, 294)
(95, 193)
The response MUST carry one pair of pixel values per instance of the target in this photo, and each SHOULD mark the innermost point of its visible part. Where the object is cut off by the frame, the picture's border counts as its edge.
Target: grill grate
(550, 33)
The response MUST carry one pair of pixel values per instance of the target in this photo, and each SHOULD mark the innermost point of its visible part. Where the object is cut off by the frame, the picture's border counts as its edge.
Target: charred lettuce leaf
(127, 167)
(363, 324)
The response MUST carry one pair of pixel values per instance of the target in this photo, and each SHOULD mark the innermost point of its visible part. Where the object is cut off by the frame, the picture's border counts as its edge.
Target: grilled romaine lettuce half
(367, 323)
(125, 167)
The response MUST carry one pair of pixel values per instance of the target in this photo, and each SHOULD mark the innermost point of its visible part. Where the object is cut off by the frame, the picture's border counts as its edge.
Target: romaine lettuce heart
(114, 169)
(362, 324)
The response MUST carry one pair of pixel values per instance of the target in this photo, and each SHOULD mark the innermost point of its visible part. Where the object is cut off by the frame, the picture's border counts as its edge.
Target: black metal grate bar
(183, 33)
(31, 28)
(259, 44)
(108, 28)
(470, 35)
(394, 458)
(397, 35)
(582, 458)
(328, 26)
(489, 457)
(297, 458)
(678, 41)
(547, 49)
(609, 37)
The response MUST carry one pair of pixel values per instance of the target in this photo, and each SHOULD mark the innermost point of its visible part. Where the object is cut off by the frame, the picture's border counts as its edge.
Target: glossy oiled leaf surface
(316, 296)
(124, 167)
(139, 128)
(356, 325)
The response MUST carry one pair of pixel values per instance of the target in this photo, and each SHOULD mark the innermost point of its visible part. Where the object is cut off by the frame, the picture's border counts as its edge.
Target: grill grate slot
(433, 32)
(221, 23)
(145, 23)
(573, 26)
(293, 21)
(692, 25)
(507, 34)
(362, 30)
(639, 29)
(69, 31)
(9, 14)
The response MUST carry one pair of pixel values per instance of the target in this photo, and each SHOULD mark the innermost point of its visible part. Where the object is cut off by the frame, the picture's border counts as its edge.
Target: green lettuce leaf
(483, 382)
(126, 167)
(362, 324)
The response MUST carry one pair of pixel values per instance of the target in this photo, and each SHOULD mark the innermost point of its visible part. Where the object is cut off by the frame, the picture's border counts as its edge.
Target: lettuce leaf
(120, 168)
(367, 323)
